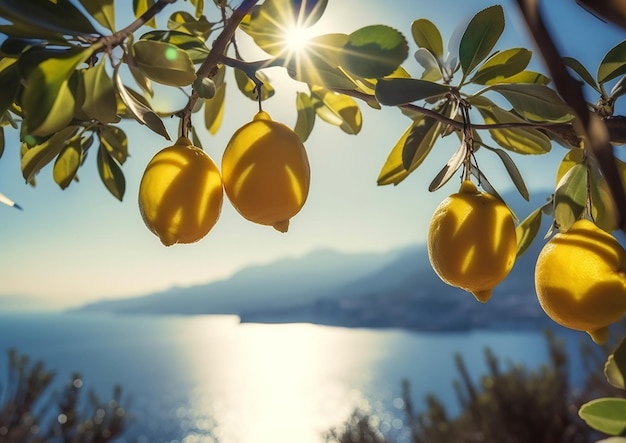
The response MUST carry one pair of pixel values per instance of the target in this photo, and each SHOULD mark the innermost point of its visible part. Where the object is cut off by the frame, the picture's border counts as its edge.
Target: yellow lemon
(472, 241)
(266, 172)
(580, 278)
(180, 194)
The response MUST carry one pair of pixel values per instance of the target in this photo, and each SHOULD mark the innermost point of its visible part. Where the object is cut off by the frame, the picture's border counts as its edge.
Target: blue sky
(82, 244)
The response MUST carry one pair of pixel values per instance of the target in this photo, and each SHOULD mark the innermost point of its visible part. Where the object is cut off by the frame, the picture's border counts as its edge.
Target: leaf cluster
(69, 77)
(608, 414)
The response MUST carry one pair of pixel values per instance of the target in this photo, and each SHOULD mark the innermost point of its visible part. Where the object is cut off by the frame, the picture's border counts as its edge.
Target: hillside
(275, 285)
(394, 289)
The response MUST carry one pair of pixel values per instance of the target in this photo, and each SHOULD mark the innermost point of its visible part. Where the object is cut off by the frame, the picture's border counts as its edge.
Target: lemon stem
(468, 139)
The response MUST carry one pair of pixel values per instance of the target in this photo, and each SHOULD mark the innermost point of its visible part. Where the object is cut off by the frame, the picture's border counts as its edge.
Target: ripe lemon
(180, 194)
(472, 241)
(266, 172)
(580, 278)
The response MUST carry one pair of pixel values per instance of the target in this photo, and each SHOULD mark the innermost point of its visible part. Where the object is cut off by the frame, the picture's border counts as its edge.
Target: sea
(208, 379)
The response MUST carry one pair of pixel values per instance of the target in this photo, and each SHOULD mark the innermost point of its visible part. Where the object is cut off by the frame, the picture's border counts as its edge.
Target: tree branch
(593, 130)
(214, 57)
(118, 37)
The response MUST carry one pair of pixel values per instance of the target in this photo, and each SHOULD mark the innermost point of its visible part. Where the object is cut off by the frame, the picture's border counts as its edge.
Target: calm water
(187, 377)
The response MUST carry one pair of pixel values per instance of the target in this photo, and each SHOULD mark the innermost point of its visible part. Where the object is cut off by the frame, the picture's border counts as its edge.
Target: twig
(213, 58)
(118, 37)
(593, 129)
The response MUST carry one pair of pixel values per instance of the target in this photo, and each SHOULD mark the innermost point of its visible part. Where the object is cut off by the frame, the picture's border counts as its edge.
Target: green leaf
(111, 174)
(140, 78)
(192, 44)
(35, 158)
(306, 116)
(337, 109)
(606, 415)
(399, 91)
(140, 7)
(535, 102)
(480, 37)
(56, 17)
(619, 88)
(449, 169)
(184, 22)
(615, 367)
(393, 171)
(47, 101)
(9, 83)
(582, 72)
(23, 30)
(612, 440)
(572, 158)
(411, 145)
(613, 64)
(214, 110)
(32, 57)
(328, 47)
(287, 14)
(314, 70)
(101, 10)
(419, 142)
(67, 163)
(306, 12)
(520, 140)
(248, 87)
(115, 141)
(100, 98)
(513, 172)
(12, 47)
(432, 69)
(269, 23)
(502, 65)
(603, 208)
(488, 187)
(142, 113)
(199, 4)
(164, 63)
(427, 36)
(522, 77)
(527, 230)
(570, 197)
(374, 51)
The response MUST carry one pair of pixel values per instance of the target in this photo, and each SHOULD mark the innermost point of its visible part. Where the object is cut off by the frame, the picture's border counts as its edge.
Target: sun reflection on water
(274, 385)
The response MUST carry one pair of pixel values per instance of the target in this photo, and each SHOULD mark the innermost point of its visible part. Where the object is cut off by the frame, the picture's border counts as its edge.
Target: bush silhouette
(31, 413)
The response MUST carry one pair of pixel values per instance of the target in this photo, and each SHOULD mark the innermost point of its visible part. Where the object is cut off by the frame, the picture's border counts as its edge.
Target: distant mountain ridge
(285, 281)
(393, 289)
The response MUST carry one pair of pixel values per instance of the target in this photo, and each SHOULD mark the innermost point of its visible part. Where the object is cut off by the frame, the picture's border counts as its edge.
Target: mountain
(278, 284)
(406, 293)
(394, 289)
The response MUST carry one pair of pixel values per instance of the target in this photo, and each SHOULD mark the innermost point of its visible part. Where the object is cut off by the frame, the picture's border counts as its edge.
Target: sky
(81, 244)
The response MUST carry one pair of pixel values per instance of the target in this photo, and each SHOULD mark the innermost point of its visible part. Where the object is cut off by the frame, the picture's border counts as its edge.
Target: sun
(296, 39)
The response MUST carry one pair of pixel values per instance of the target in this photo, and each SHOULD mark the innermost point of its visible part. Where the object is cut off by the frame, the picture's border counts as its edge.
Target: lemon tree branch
(593, 129)
(209, 65)
(118, 37)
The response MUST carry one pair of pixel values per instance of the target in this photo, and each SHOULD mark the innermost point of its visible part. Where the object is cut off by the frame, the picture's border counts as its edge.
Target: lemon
(580, 278)
(472, 241)
(266, 172)
(180, 194)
